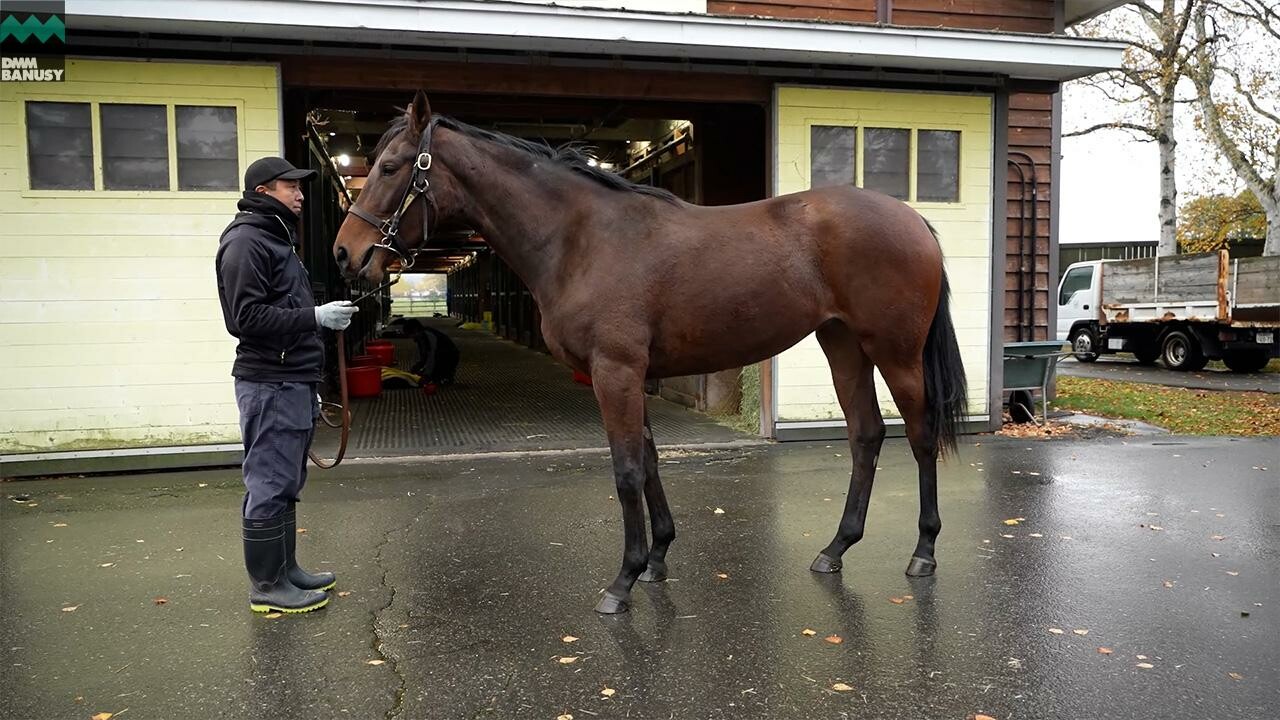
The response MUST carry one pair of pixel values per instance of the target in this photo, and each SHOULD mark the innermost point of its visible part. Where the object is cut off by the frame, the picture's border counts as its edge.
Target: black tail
(945, 387)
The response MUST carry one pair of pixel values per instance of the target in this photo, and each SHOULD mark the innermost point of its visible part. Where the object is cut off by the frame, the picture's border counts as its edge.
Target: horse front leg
(660, 520)
(619, 389)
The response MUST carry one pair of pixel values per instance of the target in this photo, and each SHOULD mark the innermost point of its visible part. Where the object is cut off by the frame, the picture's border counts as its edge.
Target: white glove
(335, 315)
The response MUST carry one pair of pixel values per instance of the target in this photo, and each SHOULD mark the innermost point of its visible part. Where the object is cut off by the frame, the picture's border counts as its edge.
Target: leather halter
(418, 187)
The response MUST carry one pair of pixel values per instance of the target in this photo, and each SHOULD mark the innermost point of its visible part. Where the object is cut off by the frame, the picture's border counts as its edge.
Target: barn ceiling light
(344, 159)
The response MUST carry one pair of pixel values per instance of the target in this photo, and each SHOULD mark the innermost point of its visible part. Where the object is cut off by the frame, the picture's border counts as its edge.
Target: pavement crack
(375, 615)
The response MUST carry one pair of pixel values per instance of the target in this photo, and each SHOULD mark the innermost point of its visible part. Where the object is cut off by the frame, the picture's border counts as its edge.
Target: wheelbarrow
(1029, 366)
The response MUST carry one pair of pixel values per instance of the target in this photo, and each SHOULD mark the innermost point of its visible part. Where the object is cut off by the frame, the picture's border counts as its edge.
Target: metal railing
(419, 307)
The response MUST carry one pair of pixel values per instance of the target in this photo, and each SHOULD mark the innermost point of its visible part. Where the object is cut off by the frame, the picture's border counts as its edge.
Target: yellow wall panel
(804, 390)
(110, 331)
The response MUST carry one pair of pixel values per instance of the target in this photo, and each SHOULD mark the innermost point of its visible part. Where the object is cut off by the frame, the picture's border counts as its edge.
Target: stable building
(117, 181)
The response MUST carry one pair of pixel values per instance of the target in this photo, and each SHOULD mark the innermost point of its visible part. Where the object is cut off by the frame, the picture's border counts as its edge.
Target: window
(832, 153)
(1076, 279)
(60, 146)
(938, 166)
(208, 151)
(135, 147)
(132, 146)
(886, 162)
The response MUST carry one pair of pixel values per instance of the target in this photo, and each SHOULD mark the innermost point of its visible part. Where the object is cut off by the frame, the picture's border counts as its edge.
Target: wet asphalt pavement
(465, 576)
(1125, 369)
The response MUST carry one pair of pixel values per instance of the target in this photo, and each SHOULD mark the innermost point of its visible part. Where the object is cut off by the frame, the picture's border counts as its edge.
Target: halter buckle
(424, 161)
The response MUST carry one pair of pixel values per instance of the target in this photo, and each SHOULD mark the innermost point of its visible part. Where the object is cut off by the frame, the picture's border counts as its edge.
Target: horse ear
(420, 112)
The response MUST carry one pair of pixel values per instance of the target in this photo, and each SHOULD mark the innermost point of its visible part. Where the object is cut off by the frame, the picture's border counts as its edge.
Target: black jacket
(266, 295)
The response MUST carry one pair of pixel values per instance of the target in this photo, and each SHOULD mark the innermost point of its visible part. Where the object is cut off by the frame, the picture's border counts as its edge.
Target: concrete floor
(464, 576)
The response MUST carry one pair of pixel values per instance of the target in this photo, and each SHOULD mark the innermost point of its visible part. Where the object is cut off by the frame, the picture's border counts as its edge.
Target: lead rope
(344, 407)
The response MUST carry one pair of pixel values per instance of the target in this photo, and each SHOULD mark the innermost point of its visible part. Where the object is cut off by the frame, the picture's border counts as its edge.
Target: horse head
(405, 196)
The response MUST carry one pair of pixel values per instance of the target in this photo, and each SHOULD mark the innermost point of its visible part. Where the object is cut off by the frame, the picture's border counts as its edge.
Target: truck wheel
(1084, 344)
(1181, 351)
(1147, 355)
(1245, 361)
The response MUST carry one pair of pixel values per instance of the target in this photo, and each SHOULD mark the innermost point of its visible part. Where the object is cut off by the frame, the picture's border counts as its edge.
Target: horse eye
(389, 168)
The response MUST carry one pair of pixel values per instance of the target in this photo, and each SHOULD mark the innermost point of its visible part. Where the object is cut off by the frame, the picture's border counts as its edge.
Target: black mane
(572, 155)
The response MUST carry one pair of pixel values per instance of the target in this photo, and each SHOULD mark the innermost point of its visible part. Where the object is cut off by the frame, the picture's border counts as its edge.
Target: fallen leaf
(718, 511)
(1235, 676)
(344, 593)
(1011, 521)
(1056, 631)
(1168, 583)
(1157, 528)
(569, 660)
(1219, 515)
(1005, 536)
(981, 717)
(375, 662)
(841, 687)
(1104, 651)
(1080, 631)
(302, 531)
(1216, 554)
(1218, 537)
(565, 716)
(908, 597)
(202, 485)
(722, 576)
(834, 639)
(161, 601)
(70, 608)
(1232, 573)
(273, 616)
(1036, 535)
(1145, 666)
(103, 716)
(608, 692)
(808, 632)
(1141, 657)
(568, 639)
(59, 524)
(897, 600)
(106, 564)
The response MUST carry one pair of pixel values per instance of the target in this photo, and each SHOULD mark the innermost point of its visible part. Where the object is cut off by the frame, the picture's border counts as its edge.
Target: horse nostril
(341, 255)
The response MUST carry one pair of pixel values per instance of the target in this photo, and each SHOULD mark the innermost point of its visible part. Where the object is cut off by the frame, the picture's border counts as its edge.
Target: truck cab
(1079, 299)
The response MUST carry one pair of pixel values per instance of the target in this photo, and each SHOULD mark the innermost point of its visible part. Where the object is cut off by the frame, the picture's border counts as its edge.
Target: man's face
(288, 192)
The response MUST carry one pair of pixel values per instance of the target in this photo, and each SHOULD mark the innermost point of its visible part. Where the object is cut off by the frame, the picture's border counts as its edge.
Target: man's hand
(335, 315)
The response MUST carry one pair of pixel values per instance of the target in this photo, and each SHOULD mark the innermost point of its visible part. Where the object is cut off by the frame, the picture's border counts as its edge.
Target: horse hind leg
(906, 383)
(851, 370)
(660, 520)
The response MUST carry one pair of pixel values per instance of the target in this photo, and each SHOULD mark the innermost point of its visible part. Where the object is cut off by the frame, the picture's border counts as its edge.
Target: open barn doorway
(506, 392)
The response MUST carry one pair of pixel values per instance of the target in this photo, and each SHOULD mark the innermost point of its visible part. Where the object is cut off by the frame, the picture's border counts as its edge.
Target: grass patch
(1181, 410)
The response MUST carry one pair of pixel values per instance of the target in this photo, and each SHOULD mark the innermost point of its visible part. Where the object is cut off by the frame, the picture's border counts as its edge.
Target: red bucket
(363, 361)
(383, 350)
(364, 381)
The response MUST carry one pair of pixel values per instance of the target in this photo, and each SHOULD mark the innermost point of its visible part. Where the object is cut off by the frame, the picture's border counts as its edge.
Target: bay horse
(635, 284)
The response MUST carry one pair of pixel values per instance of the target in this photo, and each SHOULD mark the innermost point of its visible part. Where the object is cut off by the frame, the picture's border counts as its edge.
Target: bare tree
(1238, 95)
(1146, 87)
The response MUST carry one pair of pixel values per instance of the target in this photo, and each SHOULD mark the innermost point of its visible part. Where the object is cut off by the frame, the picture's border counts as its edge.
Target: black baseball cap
(263, 171)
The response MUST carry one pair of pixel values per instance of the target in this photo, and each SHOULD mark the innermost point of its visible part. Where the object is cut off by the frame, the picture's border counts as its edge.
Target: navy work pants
(277, 421)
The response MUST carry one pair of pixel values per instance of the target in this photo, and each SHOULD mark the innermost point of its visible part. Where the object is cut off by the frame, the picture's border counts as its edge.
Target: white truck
(1183, 310)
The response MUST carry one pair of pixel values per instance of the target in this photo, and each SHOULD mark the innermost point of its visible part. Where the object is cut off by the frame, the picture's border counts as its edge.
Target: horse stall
(108, 252)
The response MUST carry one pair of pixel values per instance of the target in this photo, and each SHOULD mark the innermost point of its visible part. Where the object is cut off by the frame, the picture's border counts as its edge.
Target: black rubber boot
(265, 558)
(298, 576)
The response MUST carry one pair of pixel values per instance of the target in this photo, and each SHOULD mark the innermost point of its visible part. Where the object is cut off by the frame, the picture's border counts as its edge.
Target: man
(267, 304)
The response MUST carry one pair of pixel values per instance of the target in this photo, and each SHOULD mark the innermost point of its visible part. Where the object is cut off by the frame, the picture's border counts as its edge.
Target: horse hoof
(611, 604)
(825, 564)
(920, 567)
(653, 574)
